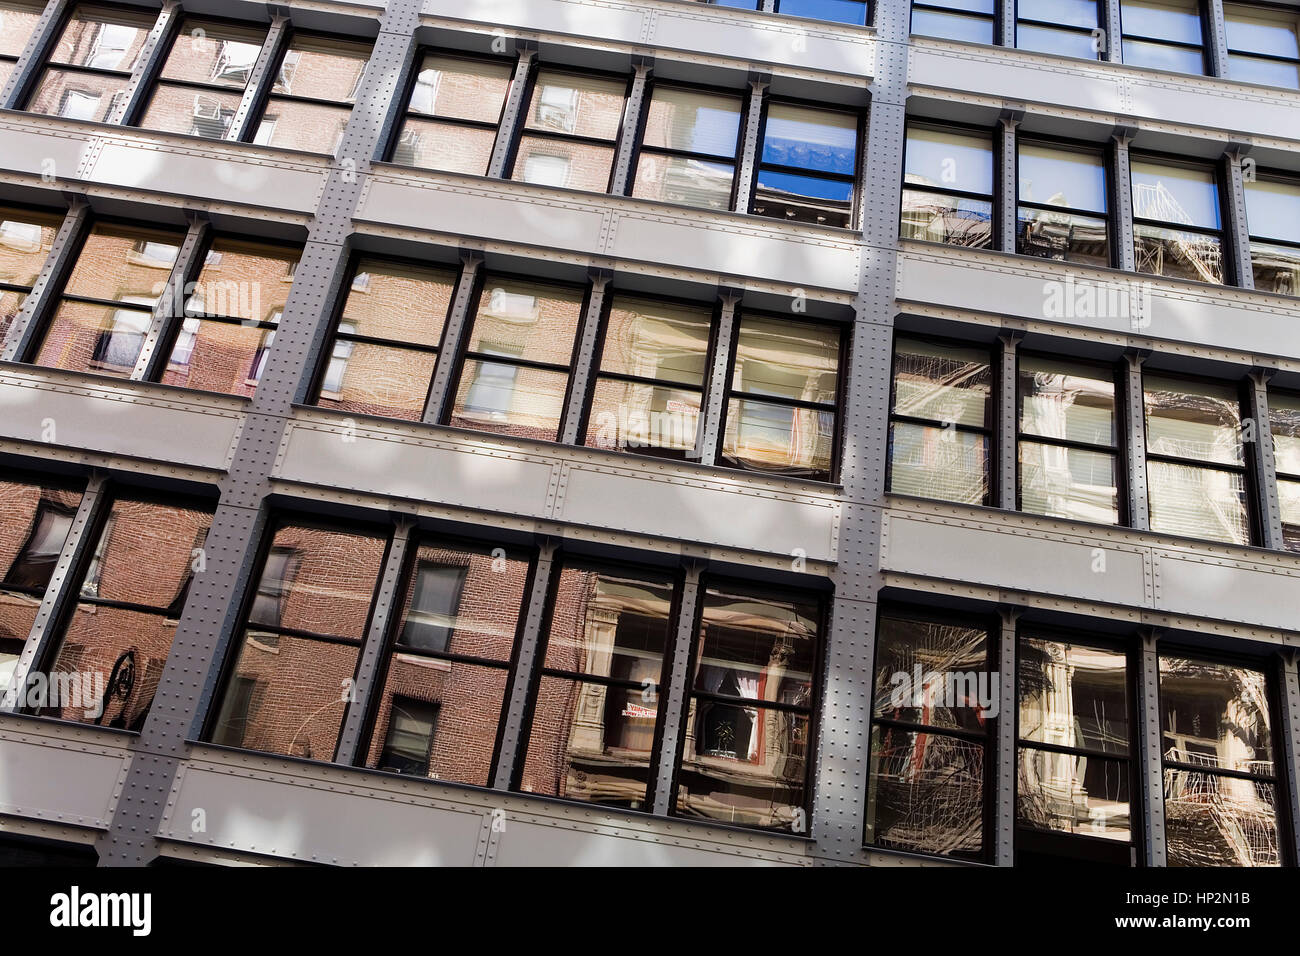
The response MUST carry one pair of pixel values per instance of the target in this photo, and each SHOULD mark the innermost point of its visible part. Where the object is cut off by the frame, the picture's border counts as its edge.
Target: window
(1176, 220)
(650, 381)
(1074, 780)
(129, 600)
(1062, 27)
(1062, 212)
(107, 303)
(26, 238)
(971, 21)
(203, 78)
(807, 165)
(1216, 730)
(1263, 44)
(948, 186)
(17, 24)
(940, 424)
(836, 11)
(515, 372)
(1196, 468)
(783, 398)
(597, 711)
(689, 148)
(747, 739)
(1163, 35)
(37, 519)
(453, 113)
(387, 340)
(289, 682)
(1273, 211)
(1069, 440)
(315, 89)
(439, 711)
(1284, 422)
(930, 747)
(87, 72)
(231, 317)
(570, 131)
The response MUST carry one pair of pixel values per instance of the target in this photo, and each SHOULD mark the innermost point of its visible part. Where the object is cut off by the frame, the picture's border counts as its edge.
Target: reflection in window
(1263, 44)
(1062, 209)
(1163, 35)
(1176, 221)
(87, 72)
(746, 753)
(807, 165)
(1273, 214)
(18, 21)
(1062, 27)
(940, 423)
(1284, 421)
(948, 186)
(836, 11)
(570, 131)
(26, 238)
(452, 115)
(689, 148)
(929, 737)
(1216, 740)
(971, 21)
(309, 106)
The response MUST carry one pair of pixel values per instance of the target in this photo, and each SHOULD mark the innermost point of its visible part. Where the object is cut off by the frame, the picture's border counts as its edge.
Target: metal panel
(1135, 440)
(1228, 590)
(1151, 797)
(60, 773)
(1289, 764)
(711, 419)
(259, 76)
(1260, 447)
(1004, 798)
(514, 108)
(674, 695)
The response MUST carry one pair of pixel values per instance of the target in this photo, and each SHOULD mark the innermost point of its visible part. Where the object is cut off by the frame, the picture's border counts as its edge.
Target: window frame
(34, 7)
(1099, 6)
(995, 199)
(38, 212)
(930, 6)
(1221, 234)
(1271, 57)
(1280, 177)
(1203, 48)
(1111, 214)
(868, 13)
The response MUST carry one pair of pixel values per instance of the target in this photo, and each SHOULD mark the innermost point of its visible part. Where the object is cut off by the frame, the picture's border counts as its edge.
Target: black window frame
(1290, 179)
(868, 14)
(1109, 216)
(1203, 47)
(937, 7)
(1098, 51)
(995, 198)
(1273, 57)
(1221, 234)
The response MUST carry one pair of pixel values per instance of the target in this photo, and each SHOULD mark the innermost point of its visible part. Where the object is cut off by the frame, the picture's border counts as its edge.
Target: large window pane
(1178, 254)
(941, 463)
(1220, 821)
(955, 220)
(1073, 793)
(1073, 695)
(1062, 177)
(1284, 423)
(1198, 502)
(1175, 194)
(683, 181)
(941, 382)
(25, 241)
(1196, 420)
(693, 122)
(1273, 210)
(948, 159)
(17, 23)
(461, 89)
(1215, 716)
(952, 26)
(103, 39)
(1067, 401)
(1064, 236)
(932, 674)
(785, 359)
(123, 264)
(1072, 483)
(1173, 20)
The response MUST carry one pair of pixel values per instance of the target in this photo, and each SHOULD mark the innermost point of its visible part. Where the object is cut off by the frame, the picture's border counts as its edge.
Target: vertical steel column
(1004, 754)
(58, 594)
(674, 701)
(147, 64)
(1007, 189)
(458, 320)
(1008, 423)
(1139, 512)
(747, 168)
(1216, 42)
(512, 113)
(1152, 775)
(513, 746)
(632, 113)
(1265, 464)
(33, 57)
(1122, 189)
(30, 320)
(1112, 46)
(711, 416)
(260, 77)
(587, 359)
(171, 302)
(388, 603)
(1006, 22)
(1289, 765)
(1237, 253)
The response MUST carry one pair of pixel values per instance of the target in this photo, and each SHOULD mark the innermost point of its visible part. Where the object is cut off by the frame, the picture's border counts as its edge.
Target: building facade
(653, 432)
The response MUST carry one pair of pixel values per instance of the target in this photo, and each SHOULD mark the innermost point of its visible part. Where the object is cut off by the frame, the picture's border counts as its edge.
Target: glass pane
(1180, 255)
(744, 766)
(438, 719)
(527, 320)
(103, 39)
(190, 111)
(510, 399)
(11, 303)
(972, 6)
(659, 340)
(1176, 194)
(1220, 821)
(375, 380)
(1063, 236)
(1068, 483)
(446, 146)
(1066, 400)
(1074, 13)
(17, 615)
(1251, 69)
(952, 26)
(941, 382)
(757, 648)
(1062, 177)
(693, 122)
(1159, 56)
(144, 554)
(215, 356)
(765, 436)
(6, 70)
(949, 219)
(577, 105)
(933, 674)
(683, 181)
(461, 89)
(590, 742)
(94, 338)
(786, 359)
(1276, 268)
(948, 159)
(1256, 30)
(1198, 502)
(215, 53)
(547, 161)
(926, 793)
(123, 264)
(825, 202)
(25, 242)
(1273, 210)
(1069, 793)
(310, 127)
(1284, 423)
(1199, 420)
(36, 523)
(838, 11)
(1215, 715)
(1177, 20)
(642, 418)
(286, 695)
(811, 139)
(1038, 39)
(17, 23)
(1289, 493)
(463, 600)
(318, 580)
(77, 96)
(324, 69)
(942, 463)
(399, 301)
(1073, 695)
(244, 280)
(610, 623)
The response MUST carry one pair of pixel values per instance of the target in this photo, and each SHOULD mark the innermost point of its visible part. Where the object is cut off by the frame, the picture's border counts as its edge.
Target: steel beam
(1259, 445)
(1004, 750)
(170, 307)
(498, 165)
(458, 323)
(632, 113)
(1134, 399)
(29, 323)
(587, 360)
(260, 78)
(673, 698)
(147, 65)
(15, 90)
(711, 416)
(1151, 798)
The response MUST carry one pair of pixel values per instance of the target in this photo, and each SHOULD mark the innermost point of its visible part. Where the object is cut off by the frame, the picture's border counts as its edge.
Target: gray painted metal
(1139, 514)
(170, 306)
(514, 109)
(1123, 192)
(1237, 229)
(1008, 184)
(674, 695)
(458, 320)
(636, 104)
(1265, 462)
(712, 414)
(1151, 799)
(747, 167)
(33, 56)
(150, 60)
(1289, 772)
(260, 76)
(1112, 52)
(31, 319)
(1216, 38)
(587, 360)
(1004, 751)
(1006, 492)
